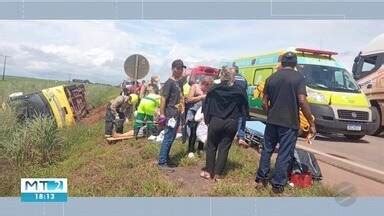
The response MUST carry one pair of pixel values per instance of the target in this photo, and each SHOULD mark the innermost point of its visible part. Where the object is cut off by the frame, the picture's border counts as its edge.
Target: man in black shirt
(284, 93)
(170, 109)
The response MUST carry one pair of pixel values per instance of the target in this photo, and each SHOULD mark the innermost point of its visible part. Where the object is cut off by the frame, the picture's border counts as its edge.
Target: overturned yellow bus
(65, 104)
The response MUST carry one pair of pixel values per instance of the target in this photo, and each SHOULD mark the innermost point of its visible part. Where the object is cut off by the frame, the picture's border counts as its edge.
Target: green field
(127, 168)
(96, 94)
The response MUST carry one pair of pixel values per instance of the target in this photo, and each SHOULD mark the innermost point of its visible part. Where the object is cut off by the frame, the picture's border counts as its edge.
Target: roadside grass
(94, 168)
(36, 147)
(239, 175)
(188, 162)
(97, 169)
(98, 95)
(127, 168)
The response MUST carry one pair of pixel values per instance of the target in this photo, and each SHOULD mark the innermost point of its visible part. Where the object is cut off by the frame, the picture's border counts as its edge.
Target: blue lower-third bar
(44, 197)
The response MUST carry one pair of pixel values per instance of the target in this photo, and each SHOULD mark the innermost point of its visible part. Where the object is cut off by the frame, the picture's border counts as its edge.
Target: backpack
(305, 162)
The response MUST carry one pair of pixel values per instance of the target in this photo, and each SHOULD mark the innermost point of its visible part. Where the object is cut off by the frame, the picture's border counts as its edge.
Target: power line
(4, 65)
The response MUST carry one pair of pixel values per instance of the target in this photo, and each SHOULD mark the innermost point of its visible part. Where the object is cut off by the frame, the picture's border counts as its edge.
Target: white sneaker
(191, 155)
(178, 135)
(152, 138)
(200, 153)
(160, 137)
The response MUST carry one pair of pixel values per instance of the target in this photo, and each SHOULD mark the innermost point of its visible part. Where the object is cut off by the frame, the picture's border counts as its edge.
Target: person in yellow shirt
(146, 112)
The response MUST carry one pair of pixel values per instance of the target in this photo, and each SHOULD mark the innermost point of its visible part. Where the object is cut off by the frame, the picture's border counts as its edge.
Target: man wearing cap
(284, 94)
(170, 110)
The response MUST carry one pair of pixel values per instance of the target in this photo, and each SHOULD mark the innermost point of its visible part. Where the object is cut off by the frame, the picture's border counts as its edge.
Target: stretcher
(120, 137)
(254, 133)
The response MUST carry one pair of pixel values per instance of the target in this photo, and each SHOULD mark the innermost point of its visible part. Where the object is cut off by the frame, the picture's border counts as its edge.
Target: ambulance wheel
(353, 137)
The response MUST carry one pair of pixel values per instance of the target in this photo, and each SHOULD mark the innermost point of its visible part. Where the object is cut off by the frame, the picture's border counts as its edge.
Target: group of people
(141, 99)
(220, 107)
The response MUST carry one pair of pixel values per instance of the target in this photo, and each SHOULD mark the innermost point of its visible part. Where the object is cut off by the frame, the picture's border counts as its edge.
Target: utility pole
(5, 63)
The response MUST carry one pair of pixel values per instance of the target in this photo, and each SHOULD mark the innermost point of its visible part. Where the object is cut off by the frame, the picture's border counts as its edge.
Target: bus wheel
(353, 137)
(378, 127)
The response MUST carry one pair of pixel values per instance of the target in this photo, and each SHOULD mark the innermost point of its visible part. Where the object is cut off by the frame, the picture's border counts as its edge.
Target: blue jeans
(169, 137)
(241, 127)
(286, 137)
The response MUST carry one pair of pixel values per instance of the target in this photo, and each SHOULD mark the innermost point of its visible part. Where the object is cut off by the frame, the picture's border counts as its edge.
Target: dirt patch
(4, 165)
(190, 182)
(94, 115)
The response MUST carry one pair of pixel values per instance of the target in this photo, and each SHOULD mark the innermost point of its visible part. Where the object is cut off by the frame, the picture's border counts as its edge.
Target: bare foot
(205, 175)
(243, 144)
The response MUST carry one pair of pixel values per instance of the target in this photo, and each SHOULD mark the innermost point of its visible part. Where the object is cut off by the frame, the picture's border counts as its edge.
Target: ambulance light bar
(316, 52)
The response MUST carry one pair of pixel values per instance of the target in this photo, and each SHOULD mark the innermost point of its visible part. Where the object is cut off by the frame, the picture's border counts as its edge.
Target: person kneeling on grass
(115, 114)
(225, 103)
(145, 113)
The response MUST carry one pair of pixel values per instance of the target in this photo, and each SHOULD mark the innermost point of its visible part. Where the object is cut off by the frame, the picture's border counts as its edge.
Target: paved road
(337, 179)
(366, 153)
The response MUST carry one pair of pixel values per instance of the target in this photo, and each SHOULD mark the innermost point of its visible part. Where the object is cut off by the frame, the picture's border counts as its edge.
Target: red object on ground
(302, 180)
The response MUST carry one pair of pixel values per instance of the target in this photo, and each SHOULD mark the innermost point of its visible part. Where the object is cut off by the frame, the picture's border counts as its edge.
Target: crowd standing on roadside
(213, 112)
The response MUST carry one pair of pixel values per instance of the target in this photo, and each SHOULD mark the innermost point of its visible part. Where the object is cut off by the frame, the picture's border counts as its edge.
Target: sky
(96, 50)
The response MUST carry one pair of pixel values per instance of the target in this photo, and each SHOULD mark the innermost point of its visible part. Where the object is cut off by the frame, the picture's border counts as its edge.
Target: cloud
(96, 50)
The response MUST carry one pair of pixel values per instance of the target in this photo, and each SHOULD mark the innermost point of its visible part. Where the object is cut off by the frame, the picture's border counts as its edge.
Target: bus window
(261, 74)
